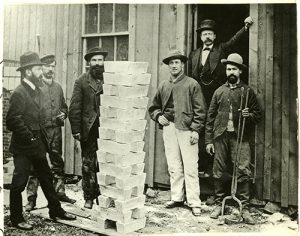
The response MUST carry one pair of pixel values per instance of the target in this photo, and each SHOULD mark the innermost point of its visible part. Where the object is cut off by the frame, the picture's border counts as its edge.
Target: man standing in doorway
(28, 142)
(221, 132)
(56, 111)
(84, 118)
(180, 109)
(205, 66)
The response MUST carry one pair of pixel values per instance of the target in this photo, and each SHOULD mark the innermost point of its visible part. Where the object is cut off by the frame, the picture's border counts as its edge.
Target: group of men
(36, 113)
(38, 110)
(204, 112)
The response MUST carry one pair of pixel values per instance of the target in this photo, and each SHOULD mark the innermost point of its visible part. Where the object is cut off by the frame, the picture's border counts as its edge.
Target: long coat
(84, 106)
(24, 120)
(217, 69)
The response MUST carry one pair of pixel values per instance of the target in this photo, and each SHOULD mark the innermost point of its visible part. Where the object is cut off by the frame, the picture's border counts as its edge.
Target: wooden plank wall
(59, 27)
(273, 75)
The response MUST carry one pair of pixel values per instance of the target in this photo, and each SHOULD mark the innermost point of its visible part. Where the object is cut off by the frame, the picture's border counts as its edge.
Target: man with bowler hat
(179, 108)
(28, 143)
(56, 111)
(223, 128)
(84, 118)
(205, 66)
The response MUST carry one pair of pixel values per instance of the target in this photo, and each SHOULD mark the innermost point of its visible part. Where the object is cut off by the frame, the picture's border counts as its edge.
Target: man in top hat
(28, 142)
(205, 66)
(179, 108)
(222, 128)
(56, 111)
(84, 118)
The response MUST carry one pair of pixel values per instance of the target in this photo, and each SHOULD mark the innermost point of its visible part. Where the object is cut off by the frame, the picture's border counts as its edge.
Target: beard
(232, 79)
(37, 81)
(97, 71)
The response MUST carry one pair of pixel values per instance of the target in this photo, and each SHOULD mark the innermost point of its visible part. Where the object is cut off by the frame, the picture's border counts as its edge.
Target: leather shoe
(172, 204)
(196, 211)
(30, 206)
(248, 219)
(65, 198)
(88, 204)
(63, 216)
(23, 225)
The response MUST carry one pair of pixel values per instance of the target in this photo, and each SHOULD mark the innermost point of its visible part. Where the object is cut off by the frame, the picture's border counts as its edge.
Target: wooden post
(132, 32)
(153, 88)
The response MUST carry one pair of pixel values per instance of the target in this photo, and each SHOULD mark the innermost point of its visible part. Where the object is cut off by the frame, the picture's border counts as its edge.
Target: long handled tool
(240, 135)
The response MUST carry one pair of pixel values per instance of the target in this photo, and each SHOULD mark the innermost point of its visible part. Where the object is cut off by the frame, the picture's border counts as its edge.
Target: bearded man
(56, 111)
(84, 118)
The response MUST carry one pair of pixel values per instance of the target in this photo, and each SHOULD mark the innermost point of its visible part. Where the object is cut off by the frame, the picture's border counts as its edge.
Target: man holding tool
(222, 129)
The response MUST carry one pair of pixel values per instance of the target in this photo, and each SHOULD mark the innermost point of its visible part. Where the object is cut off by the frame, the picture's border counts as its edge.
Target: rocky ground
(160, 221)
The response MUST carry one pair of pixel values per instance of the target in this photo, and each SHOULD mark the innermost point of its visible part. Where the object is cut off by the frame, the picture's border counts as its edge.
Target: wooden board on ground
(83, 220)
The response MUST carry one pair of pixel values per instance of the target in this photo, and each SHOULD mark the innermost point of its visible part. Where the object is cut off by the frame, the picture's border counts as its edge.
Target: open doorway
(229, 19)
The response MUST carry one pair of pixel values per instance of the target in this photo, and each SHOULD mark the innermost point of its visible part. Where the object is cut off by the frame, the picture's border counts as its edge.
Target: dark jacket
(218, 113)
(189, 104)
(217, 69)
(84, 106)
(23, 119)
(53, 102)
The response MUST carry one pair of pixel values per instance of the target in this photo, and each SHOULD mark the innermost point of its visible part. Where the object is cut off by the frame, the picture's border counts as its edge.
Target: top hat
(174, 54)
(29, 59)
(207, 25)
(234, 59)
(94, 51)
(48, 59)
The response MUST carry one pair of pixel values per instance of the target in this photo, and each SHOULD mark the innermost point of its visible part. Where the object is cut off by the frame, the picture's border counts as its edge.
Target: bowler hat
(174, 54)
(207, 25)
(48, 59)
(29, 59)
(94, 51)
(234, 59)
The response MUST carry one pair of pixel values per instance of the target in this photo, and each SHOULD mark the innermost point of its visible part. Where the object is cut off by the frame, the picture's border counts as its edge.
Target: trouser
(182, 160)
(22, 163)
(90, 165)
(225, 154)
(54, 139)
(205, 162)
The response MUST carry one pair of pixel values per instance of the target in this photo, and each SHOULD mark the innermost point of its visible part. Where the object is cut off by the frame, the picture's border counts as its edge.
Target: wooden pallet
(86, 219)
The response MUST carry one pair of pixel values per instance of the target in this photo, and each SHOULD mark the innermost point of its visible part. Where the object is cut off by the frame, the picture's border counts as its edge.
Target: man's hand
(194, 137)
(248, 22)
(163, 120)
(210, 149)
(245, 112)
(77, 136)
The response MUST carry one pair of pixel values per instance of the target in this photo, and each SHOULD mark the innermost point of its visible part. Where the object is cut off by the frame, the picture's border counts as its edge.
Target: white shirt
(29, 83)
(205, 53)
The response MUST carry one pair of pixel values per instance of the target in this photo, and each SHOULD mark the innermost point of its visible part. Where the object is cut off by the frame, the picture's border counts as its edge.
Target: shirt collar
(29, 83)
(176, 79)
(210, 47)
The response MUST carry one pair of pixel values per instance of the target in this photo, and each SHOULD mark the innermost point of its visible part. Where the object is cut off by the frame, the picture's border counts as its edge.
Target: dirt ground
(160, 221)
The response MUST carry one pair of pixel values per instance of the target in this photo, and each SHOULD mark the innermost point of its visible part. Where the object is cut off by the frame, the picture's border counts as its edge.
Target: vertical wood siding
(59, 27)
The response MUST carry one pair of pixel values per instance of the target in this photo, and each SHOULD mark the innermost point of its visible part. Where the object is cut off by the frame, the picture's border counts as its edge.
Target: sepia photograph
(123, 118)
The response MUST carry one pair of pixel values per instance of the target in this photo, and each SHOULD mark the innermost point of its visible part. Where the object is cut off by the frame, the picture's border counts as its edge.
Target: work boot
(30, 206)
(23, 226)
(216, 212)
(88, 204)
(65, 198)
(248, 219)
(172, 204)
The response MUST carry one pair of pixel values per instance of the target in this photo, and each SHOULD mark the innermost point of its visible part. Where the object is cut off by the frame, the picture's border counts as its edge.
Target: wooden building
(146, 33)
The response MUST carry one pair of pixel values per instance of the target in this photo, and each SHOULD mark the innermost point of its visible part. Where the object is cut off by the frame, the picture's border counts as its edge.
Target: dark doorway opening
(229, 19)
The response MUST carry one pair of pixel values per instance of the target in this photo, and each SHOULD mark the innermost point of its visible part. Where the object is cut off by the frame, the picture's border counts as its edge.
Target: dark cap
(29, 59)
(207, 25)
(94, 51)
(48, 59)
